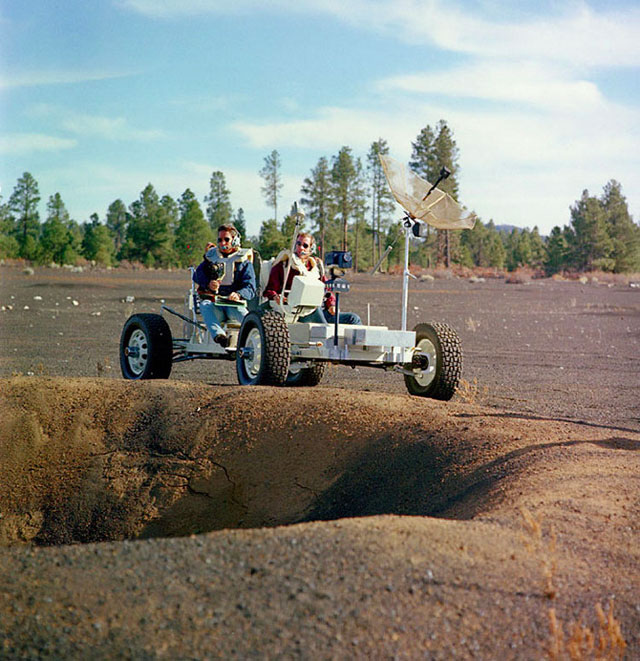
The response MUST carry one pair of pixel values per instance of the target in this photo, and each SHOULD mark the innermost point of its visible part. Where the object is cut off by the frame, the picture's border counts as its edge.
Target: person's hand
(277, 299)
(214, 285)
(331, 309)
(234, 296)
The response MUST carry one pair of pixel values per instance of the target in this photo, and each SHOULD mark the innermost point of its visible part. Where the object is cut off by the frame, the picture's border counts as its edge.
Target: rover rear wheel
(437, 362)
(146, 347)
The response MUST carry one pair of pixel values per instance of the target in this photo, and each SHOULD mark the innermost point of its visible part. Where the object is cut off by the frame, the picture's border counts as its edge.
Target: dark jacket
(244, 280)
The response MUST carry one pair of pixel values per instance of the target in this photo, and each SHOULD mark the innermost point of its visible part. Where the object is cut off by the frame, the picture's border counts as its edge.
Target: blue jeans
(345, 318)
(215, 315)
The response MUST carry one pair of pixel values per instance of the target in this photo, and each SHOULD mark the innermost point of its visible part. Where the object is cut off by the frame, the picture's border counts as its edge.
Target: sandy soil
(348, 520)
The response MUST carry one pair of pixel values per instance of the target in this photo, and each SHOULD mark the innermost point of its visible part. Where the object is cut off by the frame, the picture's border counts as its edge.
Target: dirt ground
(193, 518)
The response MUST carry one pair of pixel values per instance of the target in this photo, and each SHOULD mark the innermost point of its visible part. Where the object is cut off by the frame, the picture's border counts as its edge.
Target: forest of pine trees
(348, 205)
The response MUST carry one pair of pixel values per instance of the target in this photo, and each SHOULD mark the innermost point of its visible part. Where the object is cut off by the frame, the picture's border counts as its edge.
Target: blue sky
(100, 97)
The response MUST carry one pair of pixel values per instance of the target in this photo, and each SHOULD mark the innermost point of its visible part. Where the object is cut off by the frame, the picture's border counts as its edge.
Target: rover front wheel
(262, 356)
(146, 347)
(437, 362)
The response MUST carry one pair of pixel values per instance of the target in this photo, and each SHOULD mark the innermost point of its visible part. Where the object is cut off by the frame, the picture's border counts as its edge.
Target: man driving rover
(225, 273)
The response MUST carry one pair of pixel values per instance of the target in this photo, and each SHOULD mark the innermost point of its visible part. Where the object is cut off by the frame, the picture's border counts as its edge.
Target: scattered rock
(28, 271)
(426, 278)
(475, 278)
(129, 299)
(37, 298)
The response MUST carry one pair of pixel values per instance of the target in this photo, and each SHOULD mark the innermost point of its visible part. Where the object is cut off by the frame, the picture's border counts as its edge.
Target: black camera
(215, 270)
(340, 258)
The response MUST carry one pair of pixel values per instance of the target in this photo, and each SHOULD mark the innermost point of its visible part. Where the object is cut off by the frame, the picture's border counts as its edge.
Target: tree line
(348, 205)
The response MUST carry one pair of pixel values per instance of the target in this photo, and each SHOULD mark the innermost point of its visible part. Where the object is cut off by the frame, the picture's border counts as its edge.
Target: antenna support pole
(406, 273)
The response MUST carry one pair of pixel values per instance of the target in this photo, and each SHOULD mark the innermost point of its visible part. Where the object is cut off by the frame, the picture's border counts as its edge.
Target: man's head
(304, 245)
(228, 239)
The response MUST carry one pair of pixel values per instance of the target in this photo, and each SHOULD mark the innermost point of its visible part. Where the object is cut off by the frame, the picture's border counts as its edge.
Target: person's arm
(245, 281)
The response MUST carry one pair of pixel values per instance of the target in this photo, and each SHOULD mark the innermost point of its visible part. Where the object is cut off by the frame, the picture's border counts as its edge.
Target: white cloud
(86, 125)
(329, 129)
(27, 143)
(109, 128)
(525, 82)
(35, 78)
(577, 35)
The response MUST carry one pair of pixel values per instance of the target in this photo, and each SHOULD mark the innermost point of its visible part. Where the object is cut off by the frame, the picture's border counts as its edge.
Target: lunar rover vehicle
(273, 347)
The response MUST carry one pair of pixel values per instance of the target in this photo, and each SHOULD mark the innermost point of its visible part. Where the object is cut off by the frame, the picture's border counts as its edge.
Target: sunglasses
(304, 245)
(224, 239)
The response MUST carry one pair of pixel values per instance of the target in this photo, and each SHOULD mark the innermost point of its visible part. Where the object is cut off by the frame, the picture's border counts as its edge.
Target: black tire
(146, 348)
(263, 353)
(441, 344)
(307, 376)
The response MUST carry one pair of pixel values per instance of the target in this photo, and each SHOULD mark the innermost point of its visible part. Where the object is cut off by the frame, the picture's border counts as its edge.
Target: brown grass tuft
(608, 645)
(471, 392)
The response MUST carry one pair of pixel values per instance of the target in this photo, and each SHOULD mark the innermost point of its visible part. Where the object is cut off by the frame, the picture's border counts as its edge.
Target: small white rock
(37, 298)
(26, 307)
(129, 299)
(75, 303)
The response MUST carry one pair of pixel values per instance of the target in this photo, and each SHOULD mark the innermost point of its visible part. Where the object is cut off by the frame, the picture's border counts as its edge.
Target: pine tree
(445, 152)
(219, 209)
(382, 205)
(116, 222)
(193, 232)
(360, 259)
(8, 245)
(272, 180)
(538, 249)
(56, 240)
(590, 245)
(497, 254)
(23, 204)
(271, 240)
(423, 160)
(343, 180)
(97, 243)
(431, 151)
(316, 199)
(556, 257)
(148, 232)
(240, 223)
(625, 234)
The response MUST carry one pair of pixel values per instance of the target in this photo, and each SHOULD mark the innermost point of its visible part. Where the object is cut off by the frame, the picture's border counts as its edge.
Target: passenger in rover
(304, 263)
(226, 281)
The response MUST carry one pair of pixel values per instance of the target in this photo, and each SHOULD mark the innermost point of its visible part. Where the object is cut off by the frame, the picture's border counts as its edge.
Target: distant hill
(507, 228)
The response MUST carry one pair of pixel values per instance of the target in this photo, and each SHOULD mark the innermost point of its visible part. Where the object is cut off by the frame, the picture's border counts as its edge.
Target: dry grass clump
(521, 276)
(598, 277)
(583, 643)
(471, 391)
(546, 551)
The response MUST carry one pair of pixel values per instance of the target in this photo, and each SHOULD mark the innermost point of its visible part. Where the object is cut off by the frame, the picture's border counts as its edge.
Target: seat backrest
(265, 271)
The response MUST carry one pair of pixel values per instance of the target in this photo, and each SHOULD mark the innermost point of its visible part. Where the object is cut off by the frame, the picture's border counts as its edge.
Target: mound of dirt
(464, 564)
